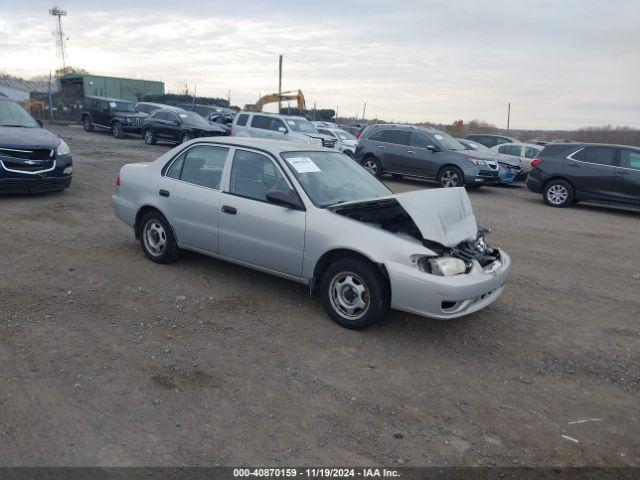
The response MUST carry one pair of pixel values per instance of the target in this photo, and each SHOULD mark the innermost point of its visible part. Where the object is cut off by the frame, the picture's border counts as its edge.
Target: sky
(562, 64)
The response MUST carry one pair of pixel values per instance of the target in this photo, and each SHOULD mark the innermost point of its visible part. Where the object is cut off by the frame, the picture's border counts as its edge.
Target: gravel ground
(110, 359)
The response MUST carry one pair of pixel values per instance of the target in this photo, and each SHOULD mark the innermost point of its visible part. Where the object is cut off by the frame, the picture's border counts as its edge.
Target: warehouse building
(73, 87)
(22, 91)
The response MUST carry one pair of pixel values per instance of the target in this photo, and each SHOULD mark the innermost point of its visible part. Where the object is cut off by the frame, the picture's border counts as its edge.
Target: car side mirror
(286, 199)
(433, 148)
(282, 130)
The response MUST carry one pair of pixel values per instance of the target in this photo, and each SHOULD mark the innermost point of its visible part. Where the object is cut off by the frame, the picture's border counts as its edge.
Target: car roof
(278, 115)
(108, 99)
(274, 146)
(424, 128)
(518, 144)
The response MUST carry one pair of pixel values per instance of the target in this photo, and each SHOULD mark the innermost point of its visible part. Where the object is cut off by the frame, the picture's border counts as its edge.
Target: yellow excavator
(298, 96)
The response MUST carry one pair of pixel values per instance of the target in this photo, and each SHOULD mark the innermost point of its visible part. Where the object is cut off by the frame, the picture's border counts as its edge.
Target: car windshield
(478, 147)
(342, 135)
(301, 125)
(447, 142)
(13, 115)
(193, 118)
(122, 106)
(330, 178)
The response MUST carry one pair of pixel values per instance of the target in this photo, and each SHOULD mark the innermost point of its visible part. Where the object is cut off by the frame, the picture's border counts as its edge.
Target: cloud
(409, 60)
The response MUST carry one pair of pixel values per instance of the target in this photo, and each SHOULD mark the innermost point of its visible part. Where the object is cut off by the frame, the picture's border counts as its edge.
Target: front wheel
(117, 130)
(558, 193)
(354, 293)
(86, 124)
(149, 137)
(372, 165)
(450, 177)
(156, 238)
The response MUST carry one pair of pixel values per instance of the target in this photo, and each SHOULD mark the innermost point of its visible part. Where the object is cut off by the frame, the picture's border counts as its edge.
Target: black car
(424, 152)
(118, 116)
(148, 107)
(32, 159)
(565, 173)
(224, 120)
(177, 127)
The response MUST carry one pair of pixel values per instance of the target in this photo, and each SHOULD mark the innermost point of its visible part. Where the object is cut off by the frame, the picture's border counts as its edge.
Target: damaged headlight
(476, 161)
(443, 266)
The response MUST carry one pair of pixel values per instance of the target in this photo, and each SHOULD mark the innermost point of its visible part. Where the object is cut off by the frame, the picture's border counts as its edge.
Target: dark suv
(406, 150)
(491, 140)
(119, 116)
(565, 173)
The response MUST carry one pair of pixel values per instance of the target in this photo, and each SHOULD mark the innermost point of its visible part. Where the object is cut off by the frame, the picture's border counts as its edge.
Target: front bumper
(482, 177)
(34, 184)
(131, 128)
(444, 298)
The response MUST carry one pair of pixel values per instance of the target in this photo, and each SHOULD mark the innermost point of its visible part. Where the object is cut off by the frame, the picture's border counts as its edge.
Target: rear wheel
(156, 238)
(354, 293)
(450, 176)
(558, 193)
(86, 124)
(149, 136)
(116, 130)
(372, 165)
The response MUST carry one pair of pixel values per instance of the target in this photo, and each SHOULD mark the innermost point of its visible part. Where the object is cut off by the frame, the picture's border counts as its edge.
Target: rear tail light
(536, 161)
(357, 135)
(118, 180)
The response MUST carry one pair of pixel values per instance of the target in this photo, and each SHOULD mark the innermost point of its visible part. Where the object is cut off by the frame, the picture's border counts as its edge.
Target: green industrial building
(74, 87)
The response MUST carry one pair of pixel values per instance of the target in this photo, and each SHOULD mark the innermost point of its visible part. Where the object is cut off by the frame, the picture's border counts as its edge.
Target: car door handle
(574, 165)
(229, 210)
(164, 193)
(381, 147)
(410, 151)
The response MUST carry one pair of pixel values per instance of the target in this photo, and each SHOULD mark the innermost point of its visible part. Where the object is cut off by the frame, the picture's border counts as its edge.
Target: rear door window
(200, 165)
(513, 150)
(242, 119)
(630, 159)
(530, 152)
(597, 155)
(399, 137)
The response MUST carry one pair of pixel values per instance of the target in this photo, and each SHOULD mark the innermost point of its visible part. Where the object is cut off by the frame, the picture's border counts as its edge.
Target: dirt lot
(109, 359)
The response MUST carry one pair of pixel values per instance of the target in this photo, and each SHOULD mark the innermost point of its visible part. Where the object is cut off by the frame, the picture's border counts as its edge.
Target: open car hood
(442, 215)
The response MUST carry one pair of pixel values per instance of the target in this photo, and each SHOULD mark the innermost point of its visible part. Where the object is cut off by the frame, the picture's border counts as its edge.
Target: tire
(149, 136)
(450, 176)
(116, 130)
(372, 165)
(184, 137)
(348, 277)
(86, 124)
(558, 193)
(156, 238)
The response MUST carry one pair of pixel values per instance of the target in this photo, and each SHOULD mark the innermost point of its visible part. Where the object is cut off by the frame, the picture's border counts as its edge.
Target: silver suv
(279, 127)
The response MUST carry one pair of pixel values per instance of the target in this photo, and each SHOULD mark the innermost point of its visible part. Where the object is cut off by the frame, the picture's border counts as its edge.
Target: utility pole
(229, 98)
(337, 113)
(195, 89)
(60, 39)
(508, 117)
(314, 111)
(280, 84)
(364, 111)
(50, 100)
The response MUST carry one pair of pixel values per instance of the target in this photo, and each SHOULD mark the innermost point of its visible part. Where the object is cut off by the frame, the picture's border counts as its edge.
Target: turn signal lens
(117, 180)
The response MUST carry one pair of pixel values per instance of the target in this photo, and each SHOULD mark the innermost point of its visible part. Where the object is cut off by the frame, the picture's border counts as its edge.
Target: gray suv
(424, 152)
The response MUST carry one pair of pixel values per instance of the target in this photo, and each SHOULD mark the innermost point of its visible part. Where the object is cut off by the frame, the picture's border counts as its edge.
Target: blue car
(510, 167)
(32, 159)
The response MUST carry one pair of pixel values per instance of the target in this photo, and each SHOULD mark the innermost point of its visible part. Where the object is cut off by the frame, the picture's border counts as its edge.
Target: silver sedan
(316, 217)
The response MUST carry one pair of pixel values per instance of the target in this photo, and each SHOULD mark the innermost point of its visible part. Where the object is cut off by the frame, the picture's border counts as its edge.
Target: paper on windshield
(303, 165)
(439, 137)
(291, 122)
(112, 104)
(183, 115)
